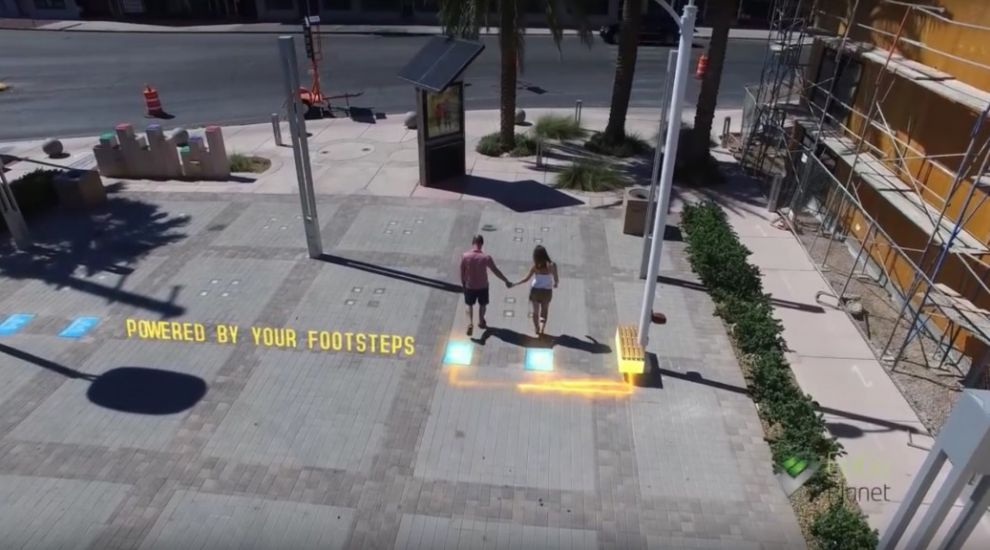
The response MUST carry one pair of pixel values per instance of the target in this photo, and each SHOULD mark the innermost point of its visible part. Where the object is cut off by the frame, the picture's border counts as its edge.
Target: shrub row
(797, 428)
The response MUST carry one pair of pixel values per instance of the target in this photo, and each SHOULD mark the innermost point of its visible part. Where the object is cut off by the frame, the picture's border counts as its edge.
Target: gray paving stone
(78, 510)
(351, 300)
(215, 290)
(427, 533)
(316, 409)
(489, 432)
(201, 520)
(516, 235)
(69, 415)
(283, 438)
(270, 225)
(410, 230)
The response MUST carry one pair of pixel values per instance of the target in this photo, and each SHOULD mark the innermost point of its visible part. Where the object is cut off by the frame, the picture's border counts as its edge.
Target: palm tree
(625, 70)
(723, 13)
(466, 18)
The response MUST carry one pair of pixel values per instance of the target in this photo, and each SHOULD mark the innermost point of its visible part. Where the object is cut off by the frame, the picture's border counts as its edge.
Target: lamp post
(667, 171)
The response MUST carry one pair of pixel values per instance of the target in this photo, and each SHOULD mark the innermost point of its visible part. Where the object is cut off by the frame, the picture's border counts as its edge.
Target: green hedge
(35, 193)
(798, 429)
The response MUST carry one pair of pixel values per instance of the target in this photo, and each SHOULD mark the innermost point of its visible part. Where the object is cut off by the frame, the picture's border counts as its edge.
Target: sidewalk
(284, 28)
(832, 362)
(523, 443)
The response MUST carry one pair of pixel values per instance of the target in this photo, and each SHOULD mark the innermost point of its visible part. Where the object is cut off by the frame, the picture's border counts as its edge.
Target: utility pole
(667, 171)
(300, 145)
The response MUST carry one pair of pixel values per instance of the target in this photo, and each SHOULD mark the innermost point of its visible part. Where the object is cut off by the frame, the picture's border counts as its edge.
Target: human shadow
(404, 276)
(519, 196)
(548, 341)
(137, 390)
(70, 247)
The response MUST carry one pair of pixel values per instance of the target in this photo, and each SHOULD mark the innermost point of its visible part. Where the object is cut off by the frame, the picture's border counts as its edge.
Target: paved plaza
(358, 419)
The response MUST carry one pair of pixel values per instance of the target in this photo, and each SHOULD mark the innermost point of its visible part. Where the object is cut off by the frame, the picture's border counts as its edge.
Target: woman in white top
(544, 275)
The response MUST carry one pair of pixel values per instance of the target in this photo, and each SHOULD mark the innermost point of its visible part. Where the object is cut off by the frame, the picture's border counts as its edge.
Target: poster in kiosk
(435, 72)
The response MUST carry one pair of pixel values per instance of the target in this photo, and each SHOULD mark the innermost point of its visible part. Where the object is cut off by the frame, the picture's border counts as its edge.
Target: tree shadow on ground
(69, 247)
(740, 193)
(637, 170)
(136, 390)
(519, 196)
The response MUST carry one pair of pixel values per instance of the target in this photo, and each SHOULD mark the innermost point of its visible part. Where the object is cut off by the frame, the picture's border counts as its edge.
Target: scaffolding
(795, 133)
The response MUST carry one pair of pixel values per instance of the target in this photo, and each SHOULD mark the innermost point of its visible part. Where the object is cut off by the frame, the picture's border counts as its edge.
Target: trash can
(635, 205)
(80, 189)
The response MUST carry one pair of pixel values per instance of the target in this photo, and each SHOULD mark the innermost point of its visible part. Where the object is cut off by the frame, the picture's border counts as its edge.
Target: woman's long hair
(540, 257)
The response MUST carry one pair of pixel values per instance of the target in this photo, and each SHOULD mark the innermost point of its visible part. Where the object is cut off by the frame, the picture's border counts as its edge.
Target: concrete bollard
(277, 129)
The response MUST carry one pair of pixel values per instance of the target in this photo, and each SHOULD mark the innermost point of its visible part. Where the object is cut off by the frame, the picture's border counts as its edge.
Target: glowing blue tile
(79, 327)
(540, 360)
(15, 323)
(458, 352)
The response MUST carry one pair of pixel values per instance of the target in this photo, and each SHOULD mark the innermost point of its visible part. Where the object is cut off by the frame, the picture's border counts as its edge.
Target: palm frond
(579, 9)
(463, 18)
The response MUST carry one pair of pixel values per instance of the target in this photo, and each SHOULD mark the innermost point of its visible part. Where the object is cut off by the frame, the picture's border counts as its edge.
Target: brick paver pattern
(299, 448)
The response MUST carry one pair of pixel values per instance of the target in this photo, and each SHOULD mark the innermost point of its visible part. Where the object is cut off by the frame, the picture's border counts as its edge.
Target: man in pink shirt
(474, 278)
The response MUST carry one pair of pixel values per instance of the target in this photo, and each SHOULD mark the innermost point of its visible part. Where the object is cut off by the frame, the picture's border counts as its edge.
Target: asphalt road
(70, 84)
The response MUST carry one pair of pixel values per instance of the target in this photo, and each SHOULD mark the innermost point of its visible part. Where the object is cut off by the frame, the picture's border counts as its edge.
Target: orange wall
(940, 128)
(967, 43)
(900, 267)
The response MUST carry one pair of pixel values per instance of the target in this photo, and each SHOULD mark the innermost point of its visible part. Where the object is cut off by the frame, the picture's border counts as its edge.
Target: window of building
(337, 5)
(280, 5)
(49, 4)
(842, 87)
(380, 5)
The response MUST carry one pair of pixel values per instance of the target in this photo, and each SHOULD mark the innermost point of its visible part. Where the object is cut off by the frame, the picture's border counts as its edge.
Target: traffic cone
(702, 67)
(152, 104)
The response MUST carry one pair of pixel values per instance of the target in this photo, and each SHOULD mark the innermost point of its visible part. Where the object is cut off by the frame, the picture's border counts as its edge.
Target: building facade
(875, 117)
(40, 9)
(418, 12)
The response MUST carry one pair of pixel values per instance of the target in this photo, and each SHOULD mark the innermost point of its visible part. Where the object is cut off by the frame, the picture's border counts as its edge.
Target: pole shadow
(391, 273)
(136, 390)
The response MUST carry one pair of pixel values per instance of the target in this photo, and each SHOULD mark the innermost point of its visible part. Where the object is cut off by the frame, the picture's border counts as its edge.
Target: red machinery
(313, 97)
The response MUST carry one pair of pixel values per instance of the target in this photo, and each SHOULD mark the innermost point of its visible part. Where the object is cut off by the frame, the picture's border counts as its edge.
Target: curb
(382, 31)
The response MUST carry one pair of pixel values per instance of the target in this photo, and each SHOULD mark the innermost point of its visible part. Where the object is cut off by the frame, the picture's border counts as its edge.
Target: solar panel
(440, 62)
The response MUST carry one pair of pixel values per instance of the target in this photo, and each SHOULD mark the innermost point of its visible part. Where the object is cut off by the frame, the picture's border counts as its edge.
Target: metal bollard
(277, 128)
(725, 130)
(577, 111)
(539, 153)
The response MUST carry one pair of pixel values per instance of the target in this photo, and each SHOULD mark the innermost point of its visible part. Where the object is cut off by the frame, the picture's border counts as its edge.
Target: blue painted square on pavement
(539, 359)
(79, 327)
(458, 352)
(15, 323)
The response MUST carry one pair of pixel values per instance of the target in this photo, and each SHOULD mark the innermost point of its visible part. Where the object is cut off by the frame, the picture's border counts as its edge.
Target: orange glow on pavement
(590, 387)
(586, 387)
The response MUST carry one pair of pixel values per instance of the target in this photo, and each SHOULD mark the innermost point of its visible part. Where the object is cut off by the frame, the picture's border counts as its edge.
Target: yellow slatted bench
(632, 360)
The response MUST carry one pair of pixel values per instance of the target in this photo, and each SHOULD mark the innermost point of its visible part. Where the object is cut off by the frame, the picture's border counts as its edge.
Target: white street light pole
(657, 154)
(667, 171)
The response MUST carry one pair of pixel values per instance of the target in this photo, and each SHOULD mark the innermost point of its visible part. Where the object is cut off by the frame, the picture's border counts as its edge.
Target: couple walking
(474, 278)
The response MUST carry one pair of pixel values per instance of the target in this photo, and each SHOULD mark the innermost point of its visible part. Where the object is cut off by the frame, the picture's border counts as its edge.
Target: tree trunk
(724, 12)
(625, 70)
(508, 37)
